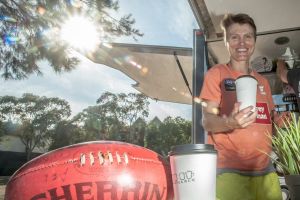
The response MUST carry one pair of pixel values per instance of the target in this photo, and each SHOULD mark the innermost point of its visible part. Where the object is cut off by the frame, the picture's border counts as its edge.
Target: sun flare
(80, 33)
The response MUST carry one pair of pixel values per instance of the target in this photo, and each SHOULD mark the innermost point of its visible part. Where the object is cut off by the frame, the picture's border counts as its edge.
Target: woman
(240, 136)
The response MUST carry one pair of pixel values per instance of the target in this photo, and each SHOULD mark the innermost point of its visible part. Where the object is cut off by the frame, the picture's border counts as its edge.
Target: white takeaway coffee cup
(193, 168)
(246, 87)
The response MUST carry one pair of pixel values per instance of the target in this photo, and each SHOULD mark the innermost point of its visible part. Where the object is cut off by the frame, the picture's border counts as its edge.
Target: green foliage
(286, 145)
(7, 128)
(137, 132)
(64, 134)
(96, 123)
(30, 32)
(171, 132)
(121, 117)
(42, 122)
(37, 117)
(2, 129)
(113, 117)
(124, 107)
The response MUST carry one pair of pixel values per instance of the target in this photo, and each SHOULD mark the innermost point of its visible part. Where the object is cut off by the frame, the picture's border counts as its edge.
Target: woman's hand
(242, 118)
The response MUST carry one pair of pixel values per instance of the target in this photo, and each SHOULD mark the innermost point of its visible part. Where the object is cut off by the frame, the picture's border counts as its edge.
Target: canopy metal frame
(200, 66)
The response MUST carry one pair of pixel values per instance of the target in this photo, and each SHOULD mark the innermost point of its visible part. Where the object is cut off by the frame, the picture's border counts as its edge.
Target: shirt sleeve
(211, 86)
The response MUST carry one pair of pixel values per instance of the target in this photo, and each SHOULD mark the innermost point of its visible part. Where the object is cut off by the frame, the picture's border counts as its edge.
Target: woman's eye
(249, 36)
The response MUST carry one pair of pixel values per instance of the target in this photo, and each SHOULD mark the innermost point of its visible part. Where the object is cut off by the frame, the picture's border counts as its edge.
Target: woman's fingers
(245, 117)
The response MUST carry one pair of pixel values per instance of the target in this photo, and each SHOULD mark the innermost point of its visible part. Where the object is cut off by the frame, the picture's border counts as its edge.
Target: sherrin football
(102, 170)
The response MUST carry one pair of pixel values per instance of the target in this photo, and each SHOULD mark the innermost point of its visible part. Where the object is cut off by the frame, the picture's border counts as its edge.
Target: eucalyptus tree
(2, 129)
(37, 117)
(113, 116)
(127, 108)
(170, 132)
(96, 124)
(138, 132)
(31, 29)
(66, 133)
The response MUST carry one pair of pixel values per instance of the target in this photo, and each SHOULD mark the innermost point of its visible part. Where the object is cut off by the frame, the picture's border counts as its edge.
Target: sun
(80, 33)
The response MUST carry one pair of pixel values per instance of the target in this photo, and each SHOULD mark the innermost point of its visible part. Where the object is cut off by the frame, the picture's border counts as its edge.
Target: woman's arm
(214, 123)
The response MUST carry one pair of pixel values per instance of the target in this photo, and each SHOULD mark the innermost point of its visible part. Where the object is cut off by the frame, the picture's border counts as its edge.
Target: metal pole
(182, 73)
(199, 69)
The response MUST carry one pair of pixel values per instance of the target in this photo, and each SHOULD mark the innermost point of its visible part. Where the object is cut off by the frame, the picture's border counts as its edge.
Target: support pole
(199, 68)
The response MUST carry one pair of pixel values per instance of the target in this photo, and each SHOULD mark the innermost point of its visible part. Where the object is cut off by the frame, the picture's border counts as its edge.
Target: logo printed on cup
(193, 168)
(184, 177)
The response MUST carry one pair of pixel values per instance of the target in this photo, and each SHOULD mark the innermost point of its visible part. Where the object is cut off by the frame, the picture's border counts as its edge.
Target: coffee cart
(176, 74)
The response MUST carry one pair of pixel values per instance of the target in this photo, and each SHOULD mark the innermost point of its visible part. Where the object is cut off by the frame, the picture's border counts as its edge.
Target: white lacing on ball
(118, 158)
(110, 157)
(126, 158)
(104, 157)
(92, 159)
(101, 158)
(82, 159)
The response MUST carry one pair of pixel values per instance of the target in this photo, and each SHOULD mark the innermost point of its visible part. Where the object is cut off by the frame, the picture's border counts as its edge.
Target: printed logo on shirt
(262, 90)
(263, 114)
(229, 84)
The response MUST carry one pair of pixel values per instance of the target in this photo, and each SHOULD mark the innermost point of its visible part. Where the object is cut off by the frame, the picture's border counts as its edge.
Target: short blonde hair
(240, 18)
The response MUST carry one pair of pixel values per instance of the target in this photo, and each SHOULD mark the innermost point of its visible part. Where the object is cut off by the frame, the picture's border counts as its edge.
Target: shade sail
(155, 69)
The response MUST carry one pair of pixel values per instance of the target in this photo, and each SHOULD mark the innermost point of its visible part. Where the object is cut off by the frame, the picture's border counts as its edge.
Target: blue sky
(163, 22)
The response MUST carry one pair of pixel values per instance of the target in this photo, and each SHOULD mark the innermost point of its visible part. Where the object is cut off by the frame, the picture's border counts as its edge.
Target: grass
(286, 145)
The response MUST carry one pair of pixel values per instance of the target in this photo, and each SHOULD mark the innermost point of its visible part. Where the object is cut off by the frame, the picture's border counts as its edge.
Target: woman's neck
(242, 67)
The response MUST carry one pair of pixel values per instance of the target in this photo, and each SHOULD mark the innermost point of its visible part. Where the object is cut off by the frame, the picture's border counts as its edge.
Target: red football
(99, 170)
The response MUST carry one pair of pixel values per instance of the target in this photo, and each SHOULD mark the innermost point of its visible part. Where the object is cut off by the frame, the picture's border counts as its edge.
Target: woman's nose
(241, 41)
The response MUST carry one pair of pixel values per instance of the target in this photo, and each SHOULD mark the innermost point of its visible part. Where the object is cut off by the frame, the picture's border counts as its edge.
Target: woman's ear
(225, 40)
(226, 43)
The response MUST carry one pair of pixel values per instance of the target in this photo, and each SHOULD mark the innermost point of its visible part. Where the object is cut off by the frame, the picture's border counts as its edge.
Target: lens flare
(7, 19)
(75, 3)
(41, 10)
(80, 33)
(126, 180)
(144, 71)
(9, 40)
(197, 100)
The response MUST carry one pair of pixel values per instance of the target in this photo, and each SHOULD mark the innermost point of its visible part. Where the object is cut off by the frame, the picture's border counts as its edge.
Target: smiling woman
(80, 33)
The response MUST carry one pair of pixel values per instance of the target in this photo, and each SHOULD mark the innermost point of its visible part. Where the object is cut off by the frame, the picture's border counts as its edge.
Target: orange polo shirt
(241, 149)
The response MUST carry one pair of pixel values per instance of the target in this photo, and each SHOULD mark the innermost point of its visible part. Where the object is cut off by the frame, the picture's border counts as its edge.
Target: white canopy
(156, 69)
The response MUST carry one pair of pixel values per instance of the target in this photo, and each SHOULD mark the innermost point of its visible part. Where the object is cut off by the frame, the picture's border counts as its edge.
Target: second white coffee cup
(194, 169)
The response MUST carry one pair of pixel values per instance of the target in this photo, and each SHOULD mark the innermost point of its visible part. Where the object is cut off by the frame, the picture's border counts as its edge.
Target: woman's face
(240, 41)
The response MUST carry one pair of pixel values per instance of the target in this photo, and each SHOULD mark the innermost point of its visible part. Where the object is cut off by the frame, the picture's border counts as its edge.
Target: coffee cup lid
(192, 148)
(246, 76)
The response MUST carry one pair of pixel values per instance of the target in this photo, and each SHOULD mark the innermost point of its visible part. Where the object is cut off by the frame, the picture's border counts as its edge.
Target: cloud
(166, 23)
(165, 109)
(185, 21)
(80, 87)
